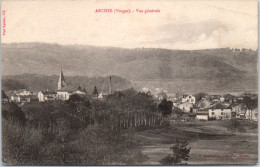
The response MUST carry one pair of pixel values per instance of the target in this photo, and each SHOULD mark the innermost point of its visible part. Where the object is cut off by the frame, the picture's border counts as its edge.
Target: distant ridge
(140, 66)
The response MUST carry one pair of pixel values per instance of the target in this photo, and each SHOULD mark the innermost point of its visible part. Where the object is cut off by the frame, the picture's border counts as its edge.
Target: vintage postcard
(109, 82)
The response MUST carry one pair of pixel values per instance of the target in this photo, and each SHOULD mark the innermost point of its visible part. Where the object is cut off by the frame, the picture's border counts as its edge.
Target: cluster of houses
(216, 107)
(208, 107)
(63, 92)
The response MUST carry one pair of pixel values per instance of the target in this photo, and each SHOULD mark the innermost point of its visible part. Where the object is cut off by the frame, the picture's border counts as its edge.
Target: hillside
(170, 69)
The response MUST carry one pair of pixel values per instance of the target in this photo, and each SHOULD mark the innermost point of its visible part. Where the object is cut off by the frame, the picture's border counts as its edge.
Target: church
(63, 92)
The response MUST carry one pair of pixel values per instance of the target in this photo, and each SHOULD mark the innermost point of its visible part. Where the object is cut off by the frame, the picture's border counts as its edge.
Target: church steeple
(61, 83)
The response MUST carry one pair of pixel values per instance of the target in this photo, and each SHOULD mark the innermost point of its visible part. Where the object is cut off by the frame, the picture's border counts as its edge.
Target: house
(145, 90)
(229, 98)
(215, 99)
(160, 95)
(186, 107)
(21, 96)
(252, 114)
(65, 92)
(25, 99)
(219, 112)
(23, 92)
(102, 95)
(202, 114)
(239, 110)
(78, 92)
(188, 98)
(222, 99)
(203, 103)
(47, 95)
(15, 98)
(171, 97)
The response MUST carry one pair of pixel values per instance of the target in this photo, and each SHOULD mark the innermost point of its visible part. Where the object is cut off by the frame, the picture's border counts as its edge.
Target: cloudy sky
(181, 24)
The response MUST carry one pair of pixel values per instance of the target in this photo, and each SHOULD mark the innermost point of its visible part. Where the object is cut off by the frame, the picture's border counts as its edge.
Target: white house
(221, 99)
(47, 95)
(203, 103)
(66, 92)
(102, 95)
(145, 90)
(15, 98)
(185, 107)
(188, 98)
(202, 114)
(23, 92)
(220, 112)
(252, 114)
(23, 95)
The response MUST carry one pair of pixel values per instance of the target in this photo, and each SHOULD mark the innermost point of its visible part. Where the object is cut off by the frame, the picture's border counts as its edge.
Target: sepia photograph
(109, 82)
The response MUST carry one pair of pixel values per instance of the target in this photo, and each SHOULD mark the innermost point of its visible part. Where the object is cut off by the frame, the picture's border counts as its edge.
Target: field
(210, 142)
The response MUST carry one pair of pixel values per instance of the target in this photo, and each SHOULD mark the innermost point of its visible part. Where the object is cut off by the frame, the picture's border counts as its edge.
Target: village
(201, 106)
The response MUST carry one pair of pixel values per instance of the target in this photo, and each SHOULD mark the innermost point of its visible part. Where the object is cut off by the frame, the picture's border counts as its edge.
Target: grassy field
(210, 142)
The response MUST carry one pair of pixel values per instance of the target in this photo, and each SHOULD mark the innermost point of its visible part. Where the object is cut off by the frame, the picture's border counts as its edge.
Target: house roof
(229, 96)
(236, 104)
(48, 92)
(67, 89)
(21, 90)
(203, 113)
(202, 110)
(219, 106)
(26, 96)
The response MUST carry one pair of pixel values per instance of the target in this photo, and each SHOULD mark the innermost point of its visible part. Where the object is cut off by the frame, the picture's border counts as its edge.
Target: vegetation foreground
(127, 128)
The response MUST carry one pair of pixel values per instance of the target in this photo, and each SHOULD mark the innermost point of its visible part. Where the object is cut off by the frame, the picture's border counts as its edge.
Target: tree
(250, 104)
(10, 111)
(4, 95)
(165, 107)
(199, 96)
(74, 98)
(163, 94)
(79, 88)
(180, 153)
(95, 92)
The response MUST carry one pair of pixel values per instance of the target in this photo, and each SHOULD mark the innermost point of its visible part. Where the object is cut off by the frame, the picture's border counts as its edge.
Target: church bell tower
(61, 83)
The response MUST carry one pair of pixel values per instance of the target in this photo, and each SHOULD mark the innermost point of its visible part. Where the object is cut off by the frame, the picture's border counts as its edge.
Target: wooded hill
(187, 70)
(37, 82)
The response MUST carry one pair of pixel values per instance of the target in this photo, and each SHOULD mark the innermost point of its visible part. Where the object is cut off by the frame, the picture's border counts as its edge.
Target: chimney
(110, 85)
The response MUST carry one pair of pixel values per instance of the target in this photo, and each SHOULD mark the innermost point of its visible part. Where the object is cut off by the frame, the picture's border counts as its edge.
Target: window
(212, 113)
(192, 100)
(222, 113)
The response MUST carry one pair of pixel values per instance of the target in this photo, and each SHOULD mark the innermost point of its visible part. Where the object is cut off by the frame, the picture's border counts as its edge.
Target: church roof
(49, 92)
(67, 89)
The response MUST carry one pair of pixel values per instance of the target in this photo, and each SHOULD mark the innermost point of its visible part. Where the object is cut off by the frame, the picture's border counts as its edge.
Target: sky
(180, 24)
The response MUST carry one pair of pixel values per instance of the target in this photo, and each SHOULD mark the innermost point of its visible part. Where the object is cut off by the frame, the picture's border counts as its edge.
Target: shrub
(180, 153)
